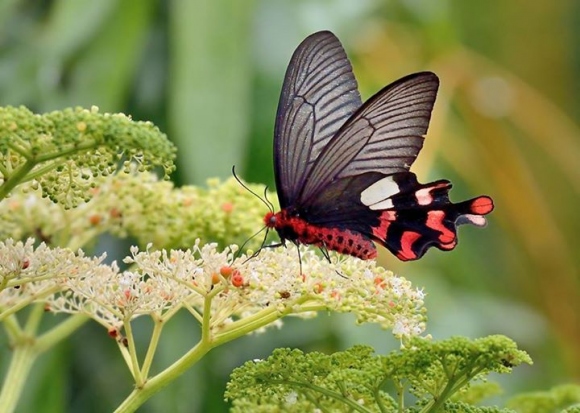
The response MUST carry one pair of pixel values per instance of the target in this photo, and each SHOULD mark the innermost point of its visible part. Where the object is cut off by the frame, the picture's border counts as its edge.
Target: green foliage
(64, 151)
(563, 398)
(356, 380)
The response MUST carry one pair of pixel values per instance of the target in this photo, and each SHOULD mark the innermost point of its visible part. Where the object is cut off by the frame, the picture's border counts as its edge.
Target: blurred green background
(209, 73)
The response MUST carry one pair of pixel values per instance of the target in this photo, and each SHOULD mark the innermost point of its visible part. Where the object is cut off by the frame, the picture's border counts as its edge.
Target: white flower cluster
(218, 289)
(29, 274)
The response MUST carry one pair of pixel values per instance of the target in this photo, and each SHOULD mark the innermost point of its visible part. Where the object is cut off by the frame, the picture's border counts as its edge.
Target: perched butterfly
(342, 167)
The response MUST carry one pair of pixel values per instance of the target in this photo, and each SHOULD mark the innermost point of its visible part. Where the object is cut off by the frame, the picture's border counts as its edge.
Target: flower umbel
(441, 376)
(67, 177)
(139, 205)
(229, 297)
(224, 292)
(29, 274)
(62, 152)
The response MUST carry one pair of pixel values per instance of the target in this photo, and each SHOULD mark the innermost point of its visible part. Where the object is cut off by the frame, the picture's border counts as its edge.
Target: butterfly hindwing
(414, 216)
(395, 211)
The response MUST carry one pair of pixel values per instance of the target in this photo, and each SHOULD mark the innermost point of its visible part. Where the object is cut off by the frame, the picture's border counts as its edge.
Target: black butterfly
(342, 167)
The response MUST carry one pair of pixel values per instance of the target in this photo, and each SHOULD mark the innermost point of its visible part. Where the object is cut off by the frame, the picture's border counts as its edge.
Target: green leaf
(209, 90)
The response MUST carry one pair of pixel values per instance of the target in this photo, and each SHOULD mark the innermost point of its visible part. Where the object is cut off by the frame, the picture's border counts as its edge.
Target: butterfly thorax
(291, 226)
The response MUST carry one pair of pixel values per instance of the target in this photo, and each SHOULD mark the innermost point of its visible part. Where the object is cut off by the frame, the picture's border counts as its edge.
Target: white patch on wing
(377, 196)
(424, 196)
(476, 220)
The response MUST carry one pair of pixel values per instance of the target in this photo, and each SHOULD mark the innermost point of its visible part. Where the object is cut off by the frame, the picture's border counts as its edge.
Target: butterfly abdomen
(344, 241)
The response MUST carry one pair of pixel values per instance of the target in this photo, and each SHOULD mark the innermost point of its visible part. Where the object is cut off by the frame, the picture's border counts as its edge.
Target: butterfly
(342, 167)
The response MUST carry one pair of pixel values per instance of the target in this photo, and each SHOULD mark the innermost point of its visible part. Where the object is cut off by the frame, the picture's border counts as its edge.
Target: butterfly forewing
(319, 94)
(384, 135)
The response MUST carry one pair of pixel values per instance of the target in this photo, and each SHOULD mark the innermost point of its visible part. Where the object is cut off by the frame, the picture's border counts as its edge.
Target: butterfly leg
(325, 253)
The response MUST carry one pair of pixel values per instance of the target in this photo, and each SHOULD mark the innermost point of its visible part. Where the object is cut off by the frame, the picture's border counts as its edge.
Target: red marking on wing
(407, 241)
(482, 205)
(423, 216)
(435, 221)
(450, 246)
(385, 221)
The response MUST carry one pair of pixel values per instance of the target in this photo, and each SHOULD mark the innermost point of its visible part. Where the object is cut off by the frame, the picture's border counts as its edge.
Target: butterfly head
(287, 224)
(271, 219)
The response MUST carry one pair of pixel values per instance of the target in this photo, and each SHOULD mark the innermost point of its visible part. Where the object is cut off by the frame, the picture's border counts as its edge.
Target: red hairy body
(297, 230)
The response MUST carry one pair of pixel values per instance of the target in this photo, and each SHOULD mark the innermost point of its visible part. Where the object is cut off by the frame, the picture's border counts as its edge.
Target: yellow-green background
(209, 72)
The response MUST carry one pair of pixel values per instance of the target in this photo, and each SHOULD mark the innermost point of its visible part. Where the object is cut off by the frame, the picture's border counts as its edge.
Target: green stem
(234, 330)
(400, 388)
(155, 336)
(63, 152)
(16, 178)
(256, 320)
(452, 387)
(12, 327)
(241, 327)
(3, 283)
(20, 150)
(142, 394)
(23, 357)
(140, 379)
(376, 389)
(205, 327)
(3, 170)
(34, 319)
(27, 349)
(22, 174)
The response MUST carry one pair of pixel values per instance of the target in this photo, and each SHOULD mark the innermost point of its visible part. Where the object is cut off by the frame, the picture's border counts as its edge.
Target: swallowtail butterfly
(342, 166)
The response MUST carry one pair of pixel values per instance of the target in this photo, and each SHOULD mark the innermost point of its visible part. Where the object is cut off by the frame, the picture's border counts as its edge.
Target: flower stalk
(24, 355)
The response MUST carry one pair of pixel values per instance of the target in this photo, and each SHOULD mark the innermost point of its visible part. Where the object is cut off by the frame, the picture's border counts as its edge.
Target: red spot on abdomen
(344, 242)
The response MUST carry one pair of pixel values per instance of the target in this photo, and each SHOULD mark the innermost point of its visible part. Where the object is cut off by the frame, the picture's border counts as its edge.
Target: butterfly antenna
(271, 206)
(268, 204)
